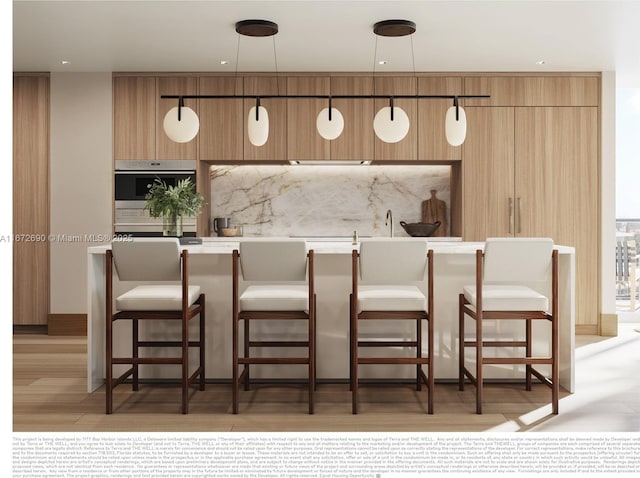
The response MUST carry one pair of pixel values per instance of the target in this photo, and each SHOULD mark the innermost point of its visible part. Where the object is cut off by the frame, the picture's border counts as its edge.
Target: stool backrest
(147, 259)
(392, 260)
(274, 261)
(517, 259)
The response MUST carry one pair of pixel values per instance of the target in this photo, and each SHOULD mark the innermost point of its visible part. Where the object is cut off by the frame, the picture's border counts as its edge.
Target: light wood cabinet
(356, 140)
(488, 173)
(134, 117)
(221, 120)
(275, 149)
(432, 141)
(303, 140)
(407, 148)
(564, 144)
(30, 200)
(165, 147)
(533, 90)
(534, 172)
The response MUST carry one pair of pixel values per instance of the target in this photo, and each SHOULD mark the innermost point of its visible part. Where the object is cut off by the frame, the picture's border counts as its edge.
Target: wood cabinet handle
(510, 215)
(519, 215)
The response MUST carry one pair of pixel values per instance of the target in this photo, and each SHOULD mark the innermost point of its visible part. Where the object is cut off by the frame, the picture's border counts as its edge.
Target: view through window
(627, 198)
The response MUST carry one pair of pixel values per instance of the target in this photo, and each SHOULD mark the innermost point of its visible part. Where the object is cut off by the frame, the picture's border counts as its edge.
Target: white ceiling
(325, 35)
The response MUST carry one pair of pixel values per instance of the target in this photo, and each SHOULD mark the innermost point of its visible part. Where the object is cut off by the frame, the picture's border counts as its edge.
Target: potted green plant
(172, 203)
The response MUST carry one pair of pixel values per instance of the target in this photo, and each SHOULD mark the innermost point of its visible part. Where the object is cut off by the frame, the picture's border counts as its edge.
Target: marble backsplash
(320, 200)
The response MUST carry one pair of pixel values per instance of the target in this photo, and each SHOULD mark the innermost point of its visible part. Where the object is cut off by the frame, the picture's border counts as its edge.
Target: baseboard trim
(68, 324)
(587, 330)
(29, 329)
(609, 325)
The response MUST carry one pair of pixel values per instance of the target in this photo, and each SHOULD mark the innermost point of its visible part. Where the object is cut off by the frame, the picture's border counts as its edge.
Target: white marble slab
(324, 200)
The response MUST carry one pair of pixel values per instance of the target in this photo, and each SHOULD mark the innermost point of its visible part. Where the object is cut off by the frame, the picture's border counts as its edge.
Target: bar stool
(147, 260)
(510, 274)
(389, 270)
(282, 288)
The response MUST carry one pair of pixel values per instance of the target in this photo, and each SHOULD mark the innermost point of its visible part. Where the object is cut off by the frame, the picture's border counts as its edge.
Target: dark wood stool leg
(135, 352)
(185, 365)
(246, 354)
(109, 366)
(479, 379)
(528, 352)
(418, 354)
(460, 343)
(202, 343)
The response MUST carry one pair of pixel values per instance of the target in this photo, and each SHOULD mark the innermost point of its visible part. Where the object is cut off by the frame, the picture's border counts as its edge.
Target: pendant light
(391, 124)
(258, 118)
(455, 124)
(181, 123)
(330, 122)
(258, 124)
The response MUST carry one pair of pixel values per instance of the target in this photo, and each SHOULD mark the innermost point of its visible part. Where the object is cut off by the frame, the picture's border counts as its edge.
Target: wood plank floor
(49, 394)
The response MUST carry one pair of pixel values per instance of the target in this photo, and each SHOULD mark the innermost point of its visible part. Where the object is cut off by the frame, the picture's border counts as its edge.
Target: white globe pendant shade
(455, 130)
(391, 131)
(258, 131)
(330, 129)
(184, 130)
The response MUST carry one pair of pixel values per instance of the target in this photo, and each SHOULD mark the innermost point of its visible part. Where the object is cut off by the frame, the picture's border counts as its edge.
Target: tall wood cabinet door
(30, 200)
(568, 140)
(303, 140)
(276, 146)
(488, 169)
(221, 120)
(165, 147)
(407, 148)
(432, 141)
(356, 140)
(134, 117)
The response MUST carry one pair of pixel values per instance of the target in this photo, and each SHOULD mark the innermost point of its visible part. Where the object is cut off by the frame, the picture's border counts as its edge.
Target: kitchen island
(210, 268)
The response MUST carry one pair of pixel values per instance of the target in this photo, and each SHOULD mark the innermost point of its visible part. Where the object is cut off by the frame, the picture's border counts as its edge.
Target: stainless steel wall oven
(131, 181)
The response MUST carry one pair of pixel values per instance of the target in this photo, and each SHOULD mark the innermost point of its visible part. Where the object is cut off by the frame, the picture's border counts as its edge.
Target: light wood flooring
(49, 394)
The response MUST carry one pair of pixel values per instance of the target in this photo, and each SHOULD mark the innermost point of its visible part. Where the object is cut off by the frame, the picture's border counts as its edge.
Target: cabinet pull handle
(519, 215)
(510, 215)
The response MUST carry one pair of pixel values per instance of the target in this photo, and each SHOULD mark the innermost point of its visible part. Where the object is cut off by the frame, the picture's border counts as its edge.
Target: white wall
(81, 181)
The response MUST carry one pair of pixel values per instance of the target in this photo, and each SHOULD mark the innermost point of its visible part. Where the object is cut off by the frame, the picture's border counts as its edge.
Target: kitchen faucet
(389, 221)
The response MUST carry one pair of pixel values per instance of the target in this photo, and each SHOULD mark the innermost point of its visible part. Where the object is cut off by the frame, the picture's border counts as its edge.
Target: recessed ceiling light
(224, 62)
(382, 62)
(540, 62)
(65, 62)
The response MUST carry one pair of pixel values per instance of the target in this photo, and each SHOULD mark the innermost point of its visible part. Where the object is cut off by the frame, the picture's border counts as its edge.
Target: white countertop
(223, 245)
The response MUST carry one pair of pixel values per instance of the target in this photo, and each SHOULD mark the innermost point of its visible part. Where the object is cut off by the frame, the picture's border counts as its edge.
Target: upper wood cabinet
(407, 148)
(276, 146)
(432, 142)
(222, 123)
(31, 202)
(165, 147)
(303, 140)
(533, 90)
(488, 169)
(134, 117)
(356, 140)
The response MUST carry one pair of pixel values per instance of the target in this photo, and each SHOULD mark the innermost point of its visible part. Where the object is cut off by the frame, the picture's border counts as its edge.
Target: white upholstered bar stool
(152, 260)
(281, 287)
(385, 274)
(510, 274)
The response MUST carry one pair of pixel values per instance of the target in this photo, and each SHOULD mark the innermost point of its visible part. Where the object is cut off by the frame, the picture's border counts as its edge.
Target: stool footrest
(273, 360)
(393, 360)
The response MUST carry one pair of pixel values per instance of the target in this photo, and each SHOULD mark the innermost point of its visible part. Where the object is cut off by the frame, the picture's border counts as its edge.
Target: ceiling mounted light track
(391, 123)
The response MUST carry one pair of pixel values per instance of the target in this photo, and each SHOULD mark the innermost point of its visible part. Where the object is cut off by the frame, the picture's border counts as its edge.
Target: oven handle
(157, 172)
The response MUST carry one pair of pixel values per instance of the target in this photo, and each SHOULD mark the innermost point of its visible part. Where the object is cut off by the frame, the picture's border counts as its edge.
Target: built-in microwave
(131, 182)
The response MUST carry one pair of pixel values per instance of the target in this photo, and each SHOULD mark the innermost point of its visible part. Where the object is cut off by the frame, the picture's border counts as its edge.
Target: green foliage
(181, 199)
